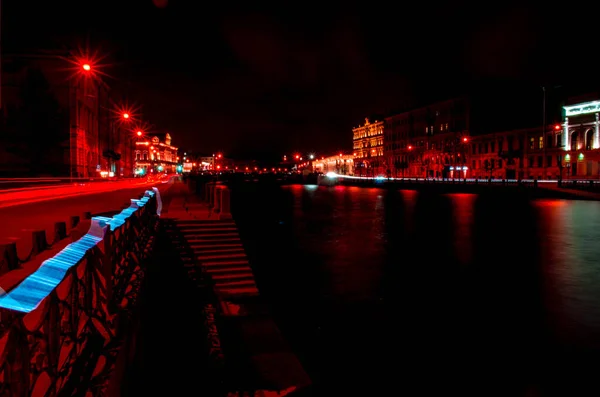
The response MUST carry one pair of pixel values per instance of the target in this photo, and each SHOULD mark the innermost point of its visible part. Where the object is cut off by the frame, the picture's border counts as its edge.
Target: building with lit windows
(54, 120)
(342, 164)
(429, 141)
(580, 140)
(515, 154)
(368, 148)
(154, 153)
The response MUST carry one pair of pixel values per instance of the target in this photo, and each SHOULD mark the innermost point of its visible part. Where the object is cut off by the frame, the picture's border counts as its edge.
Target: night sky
(259, 82)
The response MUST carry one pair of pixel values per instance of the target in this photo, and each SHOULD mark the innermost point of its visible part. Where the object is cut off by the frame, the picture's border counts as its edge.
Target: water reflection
(572, 233)
(386, 290)
(464, 218)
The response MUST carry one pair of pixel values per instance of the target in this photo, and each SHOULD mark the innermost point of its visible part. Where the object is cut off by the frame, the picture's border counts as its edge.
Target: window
(549, 161)
(446, 126)
(532, 143)
(540, 161)
(541, 142)
(427, 130)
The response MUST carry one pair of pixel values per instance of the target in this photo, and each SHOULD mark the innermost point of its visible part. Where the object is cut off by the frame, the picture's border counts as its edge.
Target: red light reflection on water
(463, 206)
(570, 231)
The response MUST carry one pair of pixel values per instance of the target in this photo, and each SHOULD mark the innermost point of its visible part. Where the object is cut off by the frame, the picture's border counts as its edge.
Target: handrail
(37, 286)
(58, 322)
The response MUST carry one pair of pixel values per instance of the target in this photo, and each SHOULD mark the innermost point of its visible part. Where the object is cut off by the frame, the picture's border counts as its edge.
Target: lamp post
(544, 133)
(86, 70)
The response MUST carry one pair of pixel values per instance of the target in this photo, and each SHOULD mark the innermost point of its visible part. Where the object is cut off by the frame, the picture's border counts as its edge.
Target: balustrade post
(38, 241)
(74, 221)
(8, 257)
(217, 199)
(225, 212)
(210, 191)
(87, 215)
(106, 260)
(60, 231)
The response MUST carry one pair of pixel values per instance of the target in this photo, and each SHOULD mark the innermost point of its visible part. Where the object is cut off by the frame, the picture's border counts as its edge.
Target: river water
(404, 292)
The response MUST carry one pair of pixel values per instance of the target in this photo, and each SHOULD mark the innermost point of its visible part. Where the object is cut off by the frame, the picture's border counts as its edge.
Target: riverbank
(530, 190)
(221, 323)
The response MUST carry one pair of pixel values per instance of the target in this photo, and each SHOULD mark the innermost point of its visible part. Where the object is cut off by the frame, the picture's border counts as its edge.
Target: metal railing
(59, 328)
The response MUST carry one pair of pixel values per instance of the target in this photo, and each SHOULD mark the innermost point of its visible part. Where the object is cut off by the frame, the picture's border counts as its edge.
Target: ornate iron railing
(59, 328)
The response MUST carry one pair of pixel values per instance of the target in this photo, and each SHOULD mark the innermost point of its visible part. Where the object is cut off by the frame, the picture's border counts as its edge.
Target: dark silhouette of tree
(38, 126)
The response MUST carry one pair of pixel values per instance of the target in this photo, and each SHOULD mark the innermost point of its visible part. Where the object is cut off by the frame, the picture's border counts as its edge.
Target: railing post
(225, 212)
(8, 257)
(60, 231)
(107, 263)
(74, 221)
(217, 199)
(38, 241)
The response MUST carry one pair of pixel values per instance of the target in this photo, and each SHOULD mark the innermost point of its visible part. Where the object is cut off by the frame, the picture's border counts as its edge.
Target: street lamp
(86, 67)
(139, 133)
(126, 115)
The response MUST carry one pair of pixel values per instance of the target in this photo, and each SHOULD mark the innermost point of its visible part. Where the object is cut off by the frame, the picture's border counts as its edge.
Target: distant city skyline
(264, 83)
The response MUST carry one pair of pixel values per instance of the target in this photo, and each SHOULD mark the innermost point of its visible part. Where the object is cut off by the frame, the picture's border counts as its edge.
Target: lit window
(541, 142)
(426, 130)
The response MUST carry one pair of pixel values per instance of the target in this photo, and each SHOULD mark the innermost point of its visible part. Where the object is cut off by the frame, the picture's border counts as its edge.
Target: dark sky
(253, 82)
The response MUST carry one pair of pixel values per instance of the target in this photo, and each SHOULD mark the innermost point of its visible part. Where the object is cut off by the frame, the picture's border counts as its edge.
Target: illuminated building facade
(428, 142)
(154, 154)
(206, 163)
(580, 140)
(342, 165)
(53, 122)
(368, 148)
(515, 154)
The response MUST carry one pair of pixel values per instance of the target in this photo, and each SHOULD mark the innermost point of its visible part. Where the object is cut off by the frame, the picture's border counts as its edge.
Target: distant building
(53, 121)
(368, 140)
(436, 141)
(580, 139)
(206, 163)
(428, 141)
(343, 165)
(154, 154)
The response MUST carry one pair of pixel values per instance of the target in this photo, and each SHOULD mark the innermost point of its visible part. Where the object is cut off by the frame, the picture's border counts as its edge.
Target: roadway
(24, 210)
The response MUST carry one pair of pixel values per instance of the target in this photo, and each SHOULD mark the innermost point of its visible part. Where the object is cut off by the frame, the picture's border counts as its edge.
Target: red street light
(465, 139)
(139, 133)
(557, 127)
(86, 67)
(125, 116)
(409, 147)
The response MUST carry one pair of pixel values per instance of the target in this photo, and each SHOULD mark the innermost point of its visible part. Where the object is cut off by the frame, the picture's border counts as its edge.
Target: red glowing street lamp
(139, 133)
(557, 127)
(126, 116)
(86, 67)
